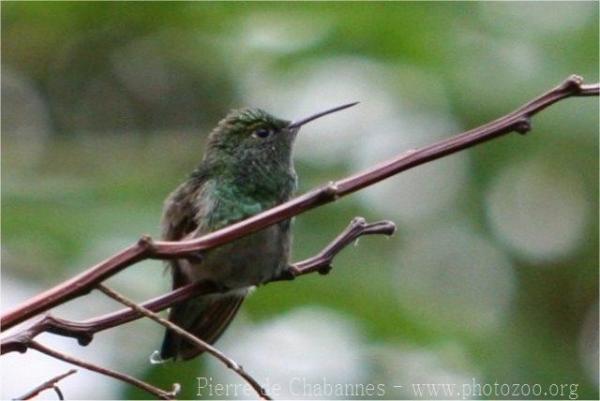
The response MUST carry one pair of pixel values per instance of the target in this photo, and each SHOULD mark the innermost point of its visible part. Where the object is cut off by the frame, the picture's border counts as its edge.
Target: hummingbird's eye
(262, 133)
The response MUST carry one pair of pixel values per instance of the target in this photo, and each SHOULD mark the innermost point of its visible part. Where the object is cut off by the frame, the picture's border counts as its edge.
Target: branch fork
(47, 385)
(84, 331)
(322, 262)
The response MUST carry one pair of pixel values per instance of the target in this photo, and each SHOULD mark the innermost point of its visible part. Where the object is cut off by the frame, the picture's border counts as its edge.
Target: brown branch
(518, 120)
(589, 90)
(155, 391)
(230, 363)
(84, 331)
(47, 385)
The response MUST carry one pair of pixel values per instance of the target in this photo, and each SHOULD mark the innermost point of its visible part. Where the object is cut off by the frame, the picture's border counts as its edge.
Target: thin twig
(84, 331)
(155, 391)
(517, 121)
(47, 385)
(230, 363)
(322, 262)
(58, 392)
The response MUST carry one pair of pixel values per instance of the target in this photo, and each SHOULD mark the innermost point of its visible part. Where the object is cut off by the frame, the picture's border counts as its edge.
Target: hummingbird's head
(250, 134)
(255, 139)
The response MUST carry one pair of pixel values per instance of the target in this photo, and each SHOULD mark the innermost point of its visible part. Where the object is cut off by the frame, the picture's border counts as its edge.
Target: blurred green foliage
(105, 107)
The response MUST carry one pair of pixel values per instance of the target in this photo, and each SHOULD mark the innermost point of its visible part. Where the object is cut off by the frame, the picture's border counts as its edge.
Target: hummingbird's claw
(290, 273)
(195, 257)
(220, 287)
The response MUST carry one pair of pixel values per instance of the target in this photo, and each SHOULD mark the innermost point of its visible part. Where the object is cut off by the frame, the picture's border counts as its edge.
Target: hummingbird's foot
(220, 287)
(290, 273)
(195, 257)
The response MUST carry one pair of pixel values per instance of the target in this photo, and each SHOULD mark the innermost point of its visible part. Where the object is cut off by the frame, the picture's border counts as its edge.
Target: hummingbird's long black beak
(299, 123)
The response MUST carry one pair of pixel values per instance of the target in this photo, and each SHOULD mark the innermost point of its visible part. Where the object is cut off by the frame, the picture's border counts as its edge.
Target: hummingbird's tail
(205, 317)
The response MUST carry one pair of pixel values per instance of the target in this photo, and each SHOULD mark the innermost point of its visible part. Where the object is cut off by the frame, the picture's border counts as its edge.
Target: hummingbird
(247, 168)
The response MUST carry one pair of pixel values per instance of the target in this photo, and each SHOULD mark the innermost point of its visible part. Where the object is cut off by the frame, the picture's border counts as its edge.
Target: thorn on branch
(523, 125)
(146, 243)
(330, 191)
(84, 340)
(176, 389)
(358, 221)
(573, 83)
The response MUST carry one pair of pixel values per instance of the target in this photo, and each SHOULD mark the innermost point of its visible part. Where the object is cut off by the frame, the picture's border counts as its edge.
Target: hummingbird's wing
(178, 219)
(206, 317)
(177, 223)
